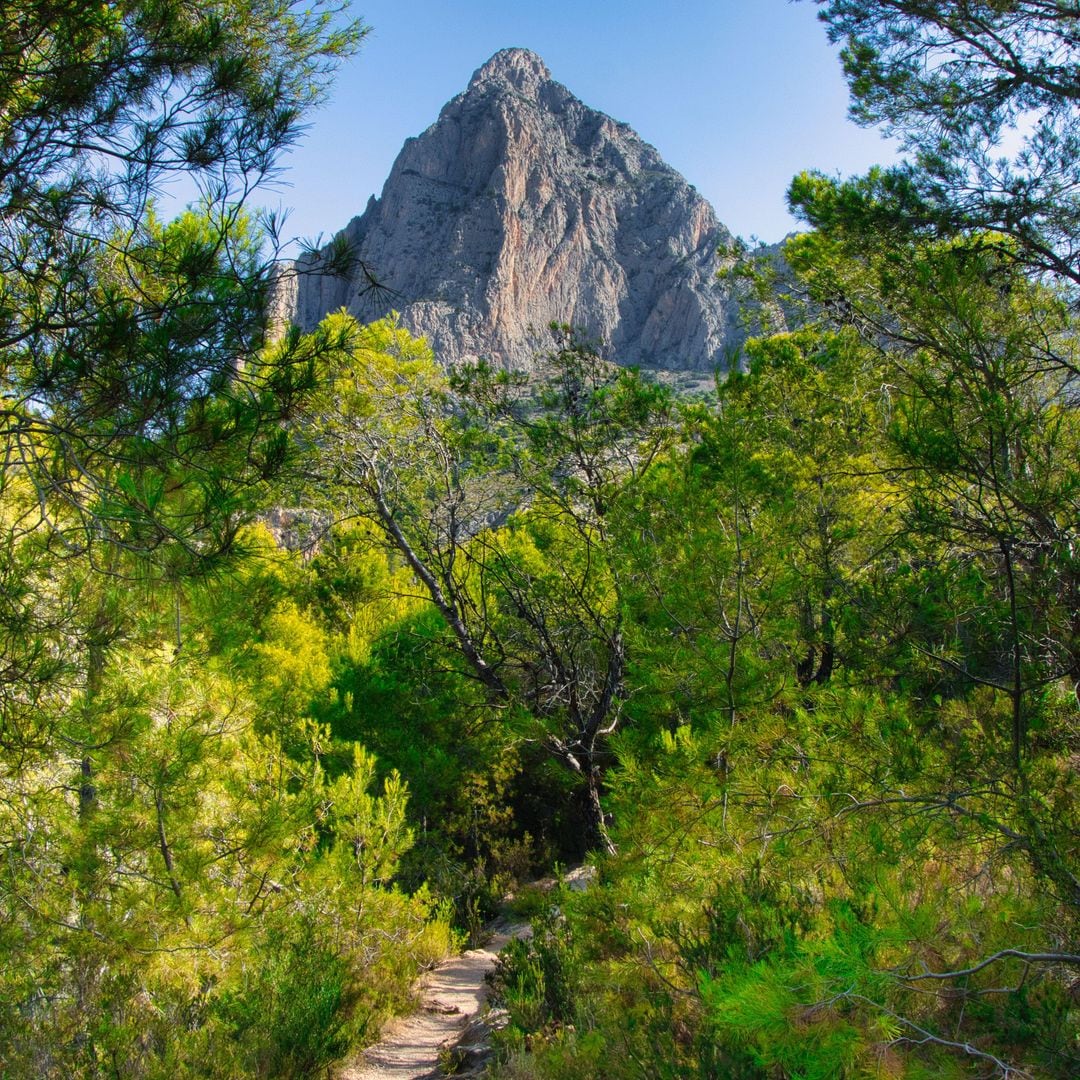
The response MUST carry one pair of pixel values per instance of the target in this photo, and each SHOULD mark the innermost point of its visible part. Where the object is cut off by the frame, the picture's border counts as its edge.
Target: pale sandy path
(450, 997)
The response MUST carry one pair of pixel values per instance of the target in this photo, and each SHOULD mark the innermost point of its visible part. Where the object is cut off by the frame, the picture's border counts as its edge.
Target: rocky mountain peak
(519, 69)
(522, 206)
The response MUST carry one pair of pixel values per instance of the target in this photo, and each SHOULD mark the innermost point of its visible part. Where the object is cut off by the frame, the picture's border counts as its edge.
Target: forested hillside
(794, 662)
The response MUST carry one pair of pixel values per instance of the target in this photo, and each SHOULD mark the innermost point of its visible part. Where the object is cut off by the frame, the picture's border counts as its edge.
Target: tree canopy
(983, 97)
(133, 350)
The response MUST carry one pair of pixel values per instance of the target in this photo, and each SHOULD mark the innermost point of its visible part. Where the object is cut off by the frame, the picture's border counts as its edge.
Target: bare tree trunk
(594, 814)
(1017, 690)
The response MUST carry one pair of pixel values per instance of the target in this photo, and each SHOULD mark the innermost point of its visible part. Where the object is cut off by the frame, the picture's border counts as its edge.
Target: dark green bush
(538, 979)
(293, 1016)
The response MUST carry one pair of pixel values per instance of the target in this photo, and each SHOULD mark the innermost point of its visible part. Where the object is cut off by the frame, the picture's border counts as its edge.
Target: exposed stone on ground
(297, 529)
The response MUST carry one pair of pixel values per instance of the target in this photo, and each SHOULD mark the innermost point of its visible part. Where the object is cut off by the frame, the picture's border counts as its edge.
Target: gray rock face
(521, 206)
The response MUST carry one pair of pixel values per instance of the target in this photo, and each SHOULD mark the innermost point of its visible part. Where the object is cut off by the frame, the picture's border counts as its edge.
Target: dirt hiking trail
(451, 997)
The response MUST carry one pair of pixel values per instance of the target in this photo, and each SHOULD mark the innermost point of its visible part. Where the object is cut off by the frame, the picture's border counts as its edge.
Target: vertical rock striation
(521, 206)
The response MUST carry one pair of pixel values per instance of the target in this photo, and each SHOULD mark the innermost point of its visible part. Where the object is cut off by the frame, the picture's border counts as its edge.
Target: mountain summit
(519, 69)
(521, 206)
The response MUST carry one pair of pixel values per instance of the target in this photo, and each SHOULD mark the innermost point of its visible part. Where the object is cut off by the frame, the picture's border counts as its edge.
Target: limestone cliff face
(521, 206)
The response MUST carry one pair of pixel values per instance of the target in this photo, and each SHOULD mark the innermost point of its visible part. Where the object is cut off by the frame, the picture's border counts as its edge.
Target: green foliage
(533, 609)
(836, 610)
(537, 977)
(369, 832)
(982, 95)
(289, 1018)
(773, 909)
(196, 841)
(538, 980)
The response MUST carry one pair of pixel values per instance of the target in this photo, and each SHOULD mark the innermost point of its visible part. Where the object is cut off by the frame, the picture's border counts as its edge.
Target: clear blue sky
(738, 95)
